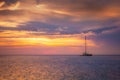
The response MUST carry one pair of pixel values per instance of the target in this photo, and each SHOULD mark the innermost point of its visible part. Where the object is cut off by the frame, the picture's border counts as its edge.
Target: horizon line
(59, 55)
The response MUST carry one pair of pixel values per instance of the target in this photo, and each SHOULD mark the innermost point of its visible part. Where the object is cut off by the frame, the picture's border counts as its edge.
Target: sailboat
(85, 53)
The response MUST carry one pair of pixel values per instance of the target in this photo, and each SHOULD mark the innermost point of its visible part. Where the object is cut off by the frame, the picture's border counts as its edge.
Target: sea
(59, 67)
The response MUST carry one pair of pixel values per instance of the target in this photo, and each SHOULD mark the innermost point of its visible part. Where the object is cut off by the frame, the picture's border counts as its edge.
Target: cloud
(110, 31)
(51, 11)
(13, 18)
(66, 19)
(58, 21)
(9, 5)
(42, 41)
(82, 7)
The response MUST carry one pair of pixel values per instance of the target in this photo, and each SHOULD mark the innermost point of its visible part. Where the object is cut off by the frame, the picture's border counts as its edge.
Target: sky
(58, 27)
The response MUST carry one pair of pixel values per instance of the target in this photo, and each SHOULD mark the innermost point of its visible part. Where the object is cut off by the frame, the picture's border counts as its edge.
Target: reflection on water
(59, 68)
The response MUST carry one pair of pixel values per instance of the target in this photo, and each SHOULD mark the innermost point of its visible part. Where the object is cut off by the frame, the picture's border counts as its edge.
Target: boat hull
(86, 54)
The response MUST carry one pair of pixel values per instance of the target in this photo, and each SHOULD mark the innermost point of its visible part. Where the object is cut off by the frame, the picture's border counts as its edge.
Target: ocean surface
(59, 67)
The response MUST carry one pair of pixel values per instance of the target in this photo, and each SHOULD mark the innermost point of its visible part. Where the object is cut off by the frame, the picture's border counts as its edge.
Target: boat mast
(85, 45)
(85, 53)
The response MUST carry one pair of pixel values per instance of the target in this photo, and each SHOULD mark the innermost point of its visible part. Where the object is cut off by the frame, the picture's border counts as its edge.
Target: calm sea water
(59, 68)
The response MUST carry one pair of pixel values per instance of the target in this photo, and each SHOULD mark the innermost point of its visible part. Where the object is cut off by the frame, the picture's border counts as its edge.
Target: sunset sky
(58, 27)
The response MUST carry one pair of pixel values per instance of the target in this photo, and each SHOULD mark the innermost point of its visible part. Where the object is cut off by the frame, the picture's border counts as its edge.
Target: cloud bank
(56, 19)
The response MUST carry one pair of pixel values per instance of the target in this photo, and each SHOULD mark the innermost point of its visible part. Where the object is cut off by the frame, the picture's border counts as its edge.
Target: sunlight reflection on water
(59, 68)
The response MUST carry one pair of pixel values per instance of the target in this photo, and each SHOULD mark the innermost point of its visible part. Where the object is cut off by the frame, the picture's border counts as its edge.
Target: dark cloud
(73, 4)
(89, 7)
(11, 13)
(112, 39)
(66, 24)
(58, 29)
(8, 3)
(34, 26)
(81, 5)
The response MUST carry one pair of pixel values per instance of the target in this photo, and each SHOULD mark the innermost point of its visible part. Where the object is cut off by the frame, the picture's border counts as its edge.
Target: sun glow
(24, 38)
(43, 42)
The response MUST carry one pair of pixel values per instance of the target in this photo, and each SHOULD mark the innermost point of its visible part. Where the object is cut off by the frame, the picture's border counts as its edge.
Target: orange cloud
(41, 11)
(9, 6)
(23, 38)
(2, 3)
(44, 42)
